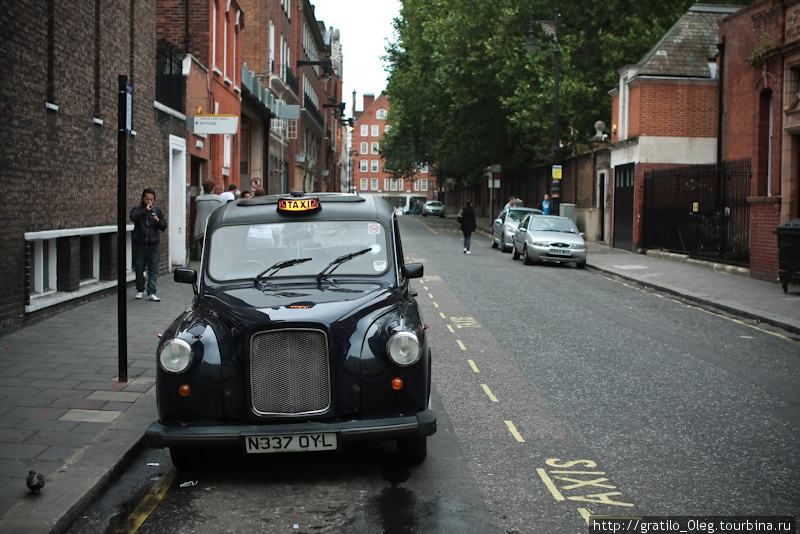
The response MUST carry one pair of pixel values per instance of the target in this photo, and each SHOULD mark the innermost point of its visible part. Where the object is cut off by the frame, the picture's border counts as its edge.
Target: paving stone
(114, 396)
(65, 439)
(36, 413)
(90, 416)
(13, 451)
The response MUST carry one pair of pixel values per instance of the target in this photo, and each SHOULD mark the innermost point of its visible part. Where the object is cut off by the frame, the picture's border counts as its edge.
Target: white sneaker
(467, 252)
(154, 298)
(138, 295)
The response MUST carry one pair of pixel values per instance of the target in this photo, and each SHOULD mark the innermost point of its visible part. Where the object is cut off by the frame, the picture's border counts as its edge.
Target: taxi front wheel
(413, 450)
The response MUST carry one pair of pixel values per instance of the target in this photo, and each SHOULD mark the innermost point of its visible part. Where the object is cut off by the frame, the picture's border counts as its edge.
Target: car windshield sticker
(376, 249)
(374, 228)
(379, 265)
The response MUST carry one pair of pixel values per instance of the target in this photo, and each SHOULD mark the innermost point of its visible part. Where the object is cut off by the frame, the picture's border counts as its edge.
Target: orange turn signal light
(185, 390)
(397, 384)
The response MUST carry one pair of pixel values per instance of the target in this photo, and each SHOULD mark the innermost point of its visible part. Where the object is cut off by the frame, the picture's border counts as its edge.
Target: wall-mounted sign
(556, 172)
(215, 124)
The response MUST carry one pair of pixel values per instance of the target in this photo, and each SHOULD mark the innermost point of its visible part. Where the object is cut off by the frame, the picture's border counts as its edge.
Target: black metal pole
(555, 192)
(122, 174)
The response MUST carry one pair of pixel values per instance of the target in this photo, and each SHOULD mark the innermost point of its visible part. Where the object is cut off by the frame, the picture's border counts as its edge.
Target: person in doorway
(468, 224)
(546, 205)
(148, 221)
(230, 194)
(205, 204)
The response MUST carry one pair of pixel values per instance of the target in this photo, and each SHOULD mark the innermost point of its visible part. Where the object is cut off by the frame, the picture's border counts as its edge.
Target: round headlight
(404, 349)
(176, 355)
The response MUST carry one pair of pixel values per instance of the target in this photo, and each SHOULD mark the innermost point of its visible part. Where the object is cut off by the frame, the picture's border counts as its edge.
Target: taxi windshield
(245, 251)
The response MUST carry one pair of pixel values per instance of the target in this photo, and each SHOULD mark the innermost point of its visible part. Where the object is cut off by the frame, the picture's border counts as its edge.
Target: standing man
(511, 202)
(148, 221)
(468, 224)
(230, 194)
(205, 204)
(546, 204)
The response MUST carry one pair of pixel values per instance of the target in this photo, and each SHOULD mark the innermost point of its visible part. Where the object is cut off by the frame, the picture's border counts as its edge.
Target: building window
(374, 165)
(765, 128)
(375, 130)
(380, 114)
(364, 130)
(385, 184)
(424, 184)
(374, 184)
(364, 164)
(364, 184)
(89, 254)
(375, 148)
(400, 185)
(364, 147)
(394, 184)
(424, 169)
(170, 84)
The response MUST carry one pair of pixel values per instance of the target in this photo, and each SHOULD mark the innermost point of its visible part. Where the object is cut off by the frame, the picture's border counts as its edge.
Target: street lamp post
(550, 27)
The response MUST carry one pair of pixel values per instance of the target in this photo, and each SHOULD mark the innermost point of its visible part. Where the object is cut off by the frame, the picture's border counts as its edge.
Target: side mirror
(413, 270)
(185, 276)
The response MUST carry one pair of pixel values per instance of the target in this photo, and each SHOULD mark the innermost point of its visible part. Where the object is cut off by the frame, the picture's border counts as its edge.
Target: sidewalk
(64, 414)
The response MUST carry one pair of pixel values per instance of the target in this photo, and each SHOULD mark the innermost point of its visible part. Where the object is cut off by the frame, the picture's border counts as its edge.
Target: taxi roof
(333, 206)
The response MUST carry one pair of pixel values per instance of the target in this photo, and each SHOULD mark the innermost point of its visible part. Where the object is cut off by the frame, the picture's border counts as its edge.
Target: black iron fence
(700, 210)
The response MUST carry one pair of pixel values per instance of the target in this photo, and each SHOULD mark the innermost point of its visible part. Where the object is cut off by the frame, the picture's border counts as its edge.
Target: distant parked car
(549, 238)
(506, 224)
(433, 207)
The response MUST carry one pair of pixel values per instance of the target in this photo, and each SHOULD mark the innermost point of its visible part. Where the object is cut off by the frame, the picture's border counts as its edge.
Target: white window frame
(364, 165)
(380, 114)
(424, 184)
(424, 169)
(374, 165)
(364, 184)
(374, 184)
(364, 149)
(364, 130)
(375, 130)
(375, 147)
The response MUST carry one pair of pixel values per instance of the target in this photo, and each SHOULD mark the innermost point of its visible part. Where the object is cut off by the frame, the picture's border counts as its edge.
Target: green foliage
(465, 94)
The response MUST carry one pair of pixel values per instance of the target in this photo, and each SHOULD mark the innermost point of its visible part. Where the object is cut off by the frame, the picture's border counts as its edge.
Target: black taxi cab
(303, 335)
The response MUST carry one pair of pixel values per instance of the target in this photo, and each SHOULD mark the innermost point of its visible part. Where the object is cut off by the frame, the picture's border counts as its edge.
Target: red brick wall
(687, 109)
(764, 217)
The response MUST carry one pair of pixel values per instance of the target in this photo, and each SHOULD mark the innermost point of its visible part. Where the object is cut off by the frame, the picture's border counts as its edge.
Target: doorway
(178, 193)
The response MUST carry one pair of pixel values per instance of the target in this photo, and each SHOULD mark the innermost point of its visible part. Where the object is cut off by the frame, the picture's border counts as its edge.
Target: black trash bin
(789, 252)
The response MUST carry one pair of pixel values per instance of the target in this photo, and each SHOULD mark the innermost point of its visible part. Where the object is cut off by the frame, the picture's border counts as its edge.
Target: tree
(465, 94)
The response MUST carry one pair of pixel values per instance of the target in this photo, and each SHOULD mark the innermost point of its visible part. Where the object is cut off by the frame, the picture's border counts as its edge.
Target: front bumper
(422, 424)
(543, 253)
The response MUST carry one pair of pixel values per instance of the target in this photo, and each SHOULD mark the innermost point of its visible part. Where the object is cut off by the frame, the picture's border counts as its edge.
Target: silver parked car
(549, 238)
(433, 207)
(506, 224)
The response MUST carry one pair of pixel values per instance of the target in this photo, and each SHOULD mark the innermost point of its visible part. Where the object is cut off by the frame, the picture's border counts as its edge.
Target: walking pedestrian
(546, 204)
(468, 224)
(230, 194)
(148, 221)
(205, 204)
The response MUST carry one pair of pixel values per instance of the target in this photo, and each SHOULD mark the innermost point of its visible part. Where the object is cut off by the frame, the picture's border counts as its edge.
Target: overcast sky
(365, 28)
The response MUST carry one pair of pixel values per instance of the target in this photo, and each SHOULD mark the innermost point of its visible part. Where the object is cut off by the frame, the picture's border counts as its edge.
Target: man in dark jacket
(468, 224)
(148, 221)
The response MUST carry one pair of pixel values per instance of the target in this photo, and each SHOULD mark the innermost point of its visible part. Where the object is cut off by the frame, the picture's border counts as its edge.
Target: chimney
(368, 100)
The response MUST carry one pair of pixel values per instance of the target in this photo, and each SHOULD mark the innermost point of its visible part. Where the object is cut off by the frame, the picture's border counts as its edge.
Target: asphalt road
(560, 393)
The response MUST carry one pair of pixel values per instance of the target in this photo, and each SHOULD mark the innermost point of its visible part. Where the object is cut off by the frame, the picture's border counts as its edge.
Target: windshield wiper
(340, 260)
(278, 266)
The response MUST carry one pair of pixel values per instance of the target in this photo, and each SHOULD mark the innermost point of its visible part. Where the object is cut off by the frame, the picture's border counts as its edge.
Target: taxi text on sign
(216, 124)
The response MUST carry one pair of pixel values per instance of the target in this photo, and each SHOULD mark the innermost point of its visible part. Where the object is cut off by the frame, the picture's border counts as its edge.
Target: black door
(623, 206)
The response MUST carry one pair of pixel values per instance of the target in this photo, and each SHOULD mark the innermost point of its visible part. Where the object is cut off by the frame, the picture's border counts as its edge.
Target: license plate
(326, 441)
(560, 252)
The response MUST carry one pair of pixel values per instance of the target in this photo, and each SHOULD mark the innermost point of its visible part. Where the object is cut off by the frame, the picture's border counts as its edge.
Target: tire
(424, 214)
(527, 260)
(412, 450)
(514, 254)
(581, 265)
(503, 244)
(185, 458)
(494, 243)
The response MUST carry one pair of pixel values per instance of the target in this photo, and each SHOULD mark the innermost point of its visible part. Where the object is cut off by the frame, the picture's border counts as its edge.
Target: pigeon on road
(35, 481)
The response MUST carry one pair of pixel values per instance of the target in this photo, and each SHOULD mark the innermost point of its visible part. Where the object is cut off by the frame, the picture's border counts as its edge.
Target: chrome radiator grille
(290, 372)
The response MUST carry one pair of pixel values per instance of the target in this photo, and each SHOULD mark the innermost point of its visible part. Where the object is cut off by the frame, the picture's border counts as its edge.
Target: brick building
(761, 121)
(59, 75)
(664, 114)
(368, 176)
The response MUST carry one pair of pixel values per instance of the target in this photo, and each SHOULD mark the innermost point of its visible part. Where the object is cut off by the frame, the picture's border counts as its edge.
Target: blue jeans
(146, 258)
(467, 239)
